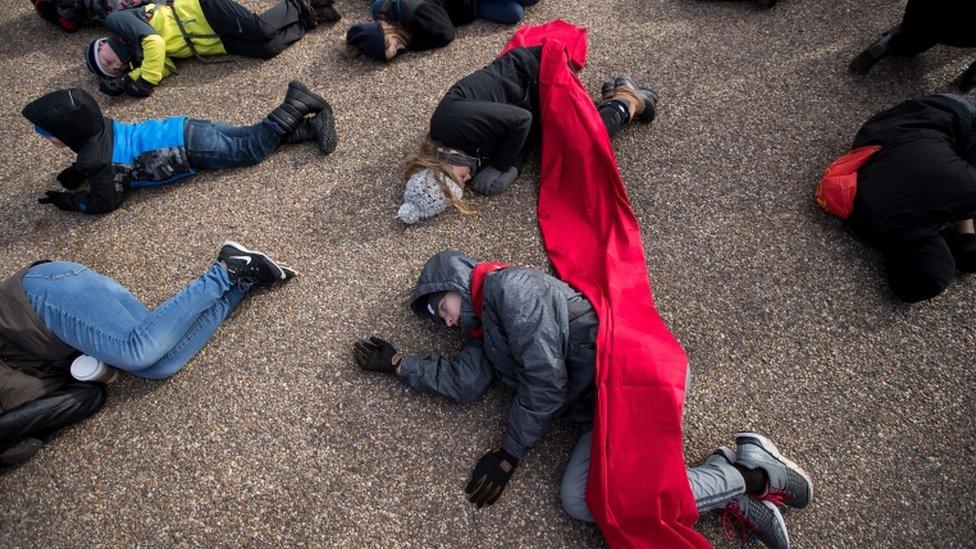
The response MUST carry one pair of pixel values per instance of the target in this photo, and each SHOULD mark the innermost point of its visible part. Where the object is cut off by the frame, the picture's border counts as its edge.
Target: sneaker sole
(770, 447)
(283, 276)
(779, 518)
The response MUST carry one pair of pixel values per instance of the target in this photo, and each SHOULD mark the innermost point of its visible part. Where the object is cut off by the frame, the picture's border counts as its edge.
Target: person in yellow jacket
(145, 40)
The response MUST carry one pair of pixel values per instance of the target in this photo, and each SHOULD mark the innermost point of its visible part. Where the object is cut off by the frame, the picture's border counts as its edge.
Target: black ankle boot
(304, 132)
(320, 128)
(881, 47)
(299, 102)
(325, 11)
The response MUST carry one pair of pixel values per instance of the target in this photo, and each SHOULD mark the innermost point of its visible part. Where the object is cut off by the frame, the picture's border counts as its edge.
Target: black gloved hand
(139, 88)
(70, 178)
(490, 476)
(492, 181)
(376, 355)
(114, 86)
(57, 198)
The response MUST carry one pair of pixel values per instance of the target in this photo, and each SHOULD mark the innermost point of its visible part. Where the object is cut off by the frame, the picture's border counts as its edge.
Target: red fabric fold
(638, 488)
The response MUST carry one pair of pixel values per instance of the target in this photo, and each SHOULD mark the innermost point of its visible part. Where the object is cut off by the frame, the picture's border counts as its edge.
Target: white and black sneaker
(254, 267)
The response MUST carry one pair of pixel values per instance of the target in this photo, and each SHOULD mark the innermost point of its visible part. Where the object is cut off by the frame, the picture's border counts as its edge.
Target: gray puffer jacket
(539, 338)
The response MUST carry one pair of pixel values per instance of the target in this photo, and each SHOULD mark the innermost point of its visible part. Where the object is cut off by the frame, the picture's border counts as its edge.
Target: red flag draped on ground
(638, 488)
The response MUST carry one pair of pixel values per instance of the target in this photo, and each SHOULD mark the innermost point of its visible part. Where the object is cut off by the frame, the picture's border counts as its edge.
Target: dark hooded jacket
(430, 23)
(539, 338)
(924, 175)
(112, 156)
(489, 113)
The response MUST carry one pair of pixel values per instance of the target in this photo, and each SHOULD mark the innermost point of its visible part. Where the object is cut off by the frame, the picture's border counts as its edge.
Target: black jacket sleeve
(103, 195)
(476, 126)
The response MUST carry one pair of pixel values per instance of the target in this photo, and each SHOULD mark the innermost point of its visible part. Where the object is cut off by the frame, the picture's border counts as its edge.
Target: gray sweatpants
(713, 483)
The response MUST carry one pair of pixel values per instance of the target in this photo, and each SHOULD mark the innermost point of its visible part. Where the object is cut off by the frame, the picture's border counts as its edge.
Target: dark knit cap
(368, 39)
(91, 58)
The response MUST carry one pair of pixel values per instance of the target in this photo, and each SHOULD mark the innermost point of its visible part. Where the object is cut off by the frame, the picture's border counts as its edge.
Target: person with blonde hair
(419, 25)
(481, 131)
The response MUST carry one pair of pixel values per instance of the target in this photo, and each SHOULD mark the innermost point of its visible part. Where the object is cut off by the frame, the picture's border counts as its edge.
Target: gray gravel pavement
(272, 436)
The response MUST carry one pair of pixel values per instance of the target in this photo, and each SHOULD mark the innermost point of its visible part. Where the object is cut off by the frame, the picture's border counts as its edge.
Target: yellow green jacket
(150, 37)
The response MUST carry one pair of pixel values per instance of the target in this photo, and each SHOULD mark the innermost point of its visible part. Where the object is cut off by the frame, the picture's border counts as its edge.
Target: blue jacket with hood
(113, 156)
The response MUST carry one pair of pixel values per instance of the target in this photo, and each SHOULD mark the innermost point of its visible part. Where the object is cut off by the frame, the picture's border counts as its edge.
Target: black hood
(447, 271)
(72, 116)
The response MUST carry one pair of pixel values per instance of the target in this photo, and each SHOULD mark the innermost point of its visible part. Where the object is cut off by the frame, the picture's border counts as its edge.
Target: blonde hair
(428, 159)
(389, 30)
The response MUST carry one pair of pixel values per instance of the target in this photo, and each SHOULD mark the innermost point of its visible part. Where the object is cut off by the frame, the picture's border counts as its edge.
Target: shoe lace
(777, 497)
(735, 525)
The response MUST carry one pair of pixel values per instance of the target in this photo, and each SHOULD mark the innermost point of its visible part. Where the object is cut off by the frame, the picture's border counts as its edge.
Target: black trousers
(40, 417)
(930, 22)
(244, 32)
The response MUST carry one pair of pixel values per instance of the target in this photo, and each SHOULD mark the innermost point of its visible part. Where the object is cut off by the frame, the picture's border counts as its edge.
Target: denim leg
(505, 12)
(82, 312)
(198, 336)
(212, 146)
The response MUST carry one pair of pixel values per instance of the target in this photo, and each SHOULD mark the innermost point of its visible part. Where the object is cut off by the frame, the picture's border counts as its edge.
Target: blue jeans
(212, 146)
(506, 12)
(97, 316)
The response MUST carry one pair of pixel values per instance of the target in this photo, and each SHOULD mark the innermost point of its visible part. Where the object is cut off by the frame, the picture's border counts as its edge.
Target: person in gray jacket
(537, 334)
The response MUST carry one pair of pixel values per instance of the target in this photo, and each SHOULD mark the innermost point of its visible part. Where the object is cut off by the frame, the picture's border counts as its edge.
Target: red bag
(837, 188)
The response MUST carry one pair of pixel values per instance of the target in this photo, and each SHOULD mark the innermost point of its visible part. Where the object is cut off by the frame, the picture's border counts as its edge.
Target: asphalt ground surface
(272, 435)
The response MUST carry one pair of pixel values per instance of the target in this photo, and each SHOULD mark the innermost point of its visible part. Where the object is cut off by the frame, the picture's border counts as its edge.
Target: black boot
(299, 103)
(19, 452)
(307, 16)
(968, 79)
(882, 47)
(766, 4)
(325, 11)
(304, 132)
(320, 128)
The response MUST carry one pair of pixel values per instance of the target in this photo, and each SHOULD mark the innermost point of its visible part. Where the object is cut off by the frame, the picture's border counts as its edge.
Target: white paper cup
(89, 368)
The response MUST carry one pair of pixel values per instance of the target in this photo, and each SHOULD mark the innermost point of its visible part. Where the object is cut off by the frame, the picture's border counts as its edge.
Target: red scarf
(638, 488)
(478, 275)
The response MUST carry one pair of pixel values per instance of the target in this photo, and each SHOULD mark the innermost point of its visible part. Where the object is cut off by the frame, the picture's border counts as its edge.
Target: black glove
(489, 478)
(114, 86)
(70, 178)
(376, 355)
(57, 198)
(492, 181)
(139, 88)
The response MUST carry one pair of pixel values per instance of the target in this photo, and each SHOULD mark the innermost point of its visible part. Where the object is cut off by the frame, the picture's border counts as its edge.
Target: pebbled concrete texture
(271, 435)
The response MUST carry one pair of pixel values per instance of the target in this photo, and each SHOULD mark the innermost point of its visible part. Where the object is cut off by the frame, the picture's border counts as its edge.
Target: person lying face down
(72, 14)
(420, 25)
(482, 129)
(115, 157)
(916, 196)
(538, 336)
(138, 53)
(925, 24)
(53, 310)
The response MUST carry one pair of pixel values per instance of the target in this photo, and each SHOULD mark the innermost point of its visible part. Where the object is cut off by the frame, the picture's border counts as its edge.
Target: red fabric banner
(638, 488)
